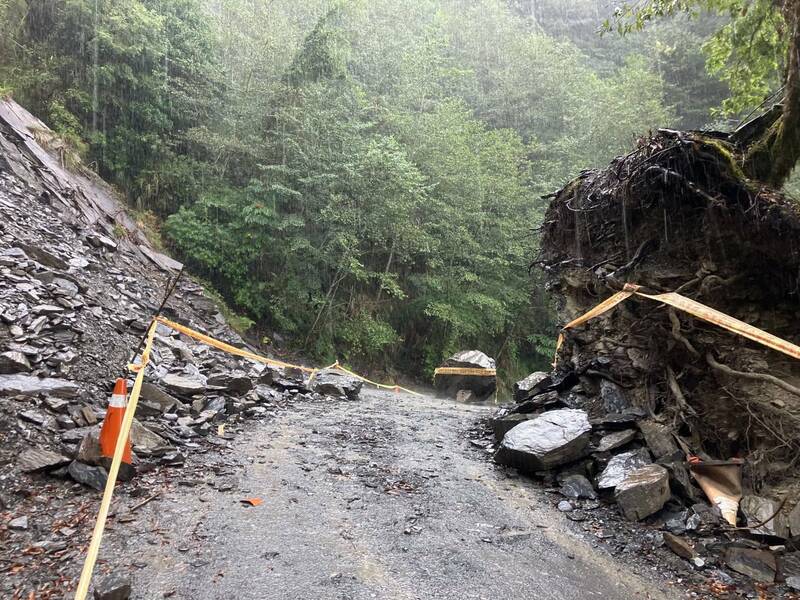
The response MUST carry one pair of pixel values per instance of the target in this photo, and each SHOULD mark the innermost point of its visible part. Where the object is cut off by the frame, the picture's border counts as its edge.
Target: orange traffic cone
(113, 422)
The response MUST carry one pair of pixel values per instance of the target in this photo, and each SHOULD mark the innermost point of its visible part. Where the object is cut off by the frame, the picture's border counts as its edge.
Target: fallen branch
(754, 376)
(143, 502)
(678, 393)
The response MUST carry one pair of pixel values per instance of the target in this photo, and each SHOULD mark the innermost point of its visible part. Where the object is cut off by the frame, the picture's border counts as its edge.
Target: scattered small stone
(37, 459)
(564, 506)
(577, 486)
(18, 524)
(679, 546)
(114, 587)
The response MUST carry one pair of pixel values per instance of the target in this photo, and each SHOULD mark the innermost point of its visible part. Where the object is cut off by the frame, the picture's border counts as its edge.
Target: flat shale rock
(523, 387)
(93, 477)
(156, 401)
(615, 440)
(756, 564)
(37, 459)
(643, 492)
(622, 465)
(14, 362)
(186, 386)
(553, 438)
(28, 385)
(113, 587)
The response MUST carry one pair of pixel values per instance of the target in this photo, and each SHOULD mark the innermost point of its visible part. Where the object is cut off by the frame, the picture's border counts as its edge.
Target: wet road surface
(380, 498)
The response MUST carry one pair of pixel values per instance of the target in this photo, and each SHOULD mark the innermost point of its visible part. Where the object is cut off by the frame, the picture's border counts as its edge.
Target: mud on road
(380, 498)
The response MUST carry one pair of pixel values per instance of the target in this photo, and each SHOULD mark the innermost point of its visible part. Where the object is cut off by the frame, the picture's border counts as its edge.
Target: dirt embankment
(677, 214)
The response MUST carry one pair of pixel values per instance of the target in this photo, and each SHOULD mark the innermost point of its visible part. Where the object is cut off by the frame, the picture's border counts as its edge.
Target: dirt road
(381, 498)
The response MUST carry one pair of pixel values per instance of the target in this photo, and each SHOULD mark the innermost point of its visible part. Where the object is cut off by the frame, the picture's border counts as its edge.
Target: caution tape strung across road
(477, 372)
(692, 307)
(102, 515)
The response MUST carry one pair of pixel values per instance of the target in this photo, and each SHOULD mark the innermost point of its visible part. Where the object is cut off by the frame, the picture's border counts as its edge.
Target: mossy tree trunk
(772, 157)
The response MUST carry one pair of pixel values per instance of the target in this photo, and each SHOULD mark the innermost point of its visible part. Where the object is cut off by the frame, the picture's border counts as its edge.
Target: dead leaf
(252, 501)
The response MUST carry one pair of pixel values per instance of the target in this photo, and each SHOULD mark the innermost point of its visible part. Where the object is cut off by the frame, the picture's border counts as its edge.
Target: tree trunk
(773, 156)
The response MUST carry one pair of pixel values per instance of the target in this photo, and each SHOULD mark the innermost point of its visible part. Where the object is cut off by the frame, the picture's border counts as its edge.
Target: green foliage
(362, 177)
(747, 52)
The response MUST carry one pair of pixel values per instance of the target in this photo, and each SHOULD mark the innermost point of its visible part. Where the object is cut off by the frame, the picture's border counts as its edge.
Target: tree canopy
(365, 178)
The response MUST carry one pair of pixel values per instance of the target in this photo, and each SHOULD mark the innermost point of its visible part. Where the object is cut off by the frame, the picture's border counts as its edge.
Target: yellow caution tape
(105, 503)
(465, 371)
(139, 369)
(694, 308)
(201, 337)
(269, 361)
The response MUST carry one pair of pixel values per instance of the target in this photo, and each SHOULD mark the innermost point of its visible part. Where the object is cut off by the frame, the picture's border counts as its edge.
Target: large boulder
(331, 382)
(482, 386)
(553, 438)
(643, 492)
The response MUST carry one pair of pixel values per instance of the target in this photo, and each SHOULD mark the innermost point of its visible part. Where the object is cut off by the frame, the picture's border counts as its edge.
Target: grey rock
(18, 524)
(35, 417)
(577, 486)
(616, 440)
(679, 546)
(522, 388)
(14, 362)
(38, 459)
(793, 518)
(93, 477)
(155, 401)
(756, 564)
(144, 440)
(620, 466)
(100, 241)
(481, 385)
(89, 449)
(27, 385)
(331, 382)
(793, 582)
(502, 424)
(614, 398)
(466, 396)
(181, 385)
(643, 492)
(553, 438)
(47, 309)
(757, 510)
(703, 517)
(564, 506)
(113, 587)
(58, 405)
(237, 383)
(43, 257)
(659, 439)
(163, 261)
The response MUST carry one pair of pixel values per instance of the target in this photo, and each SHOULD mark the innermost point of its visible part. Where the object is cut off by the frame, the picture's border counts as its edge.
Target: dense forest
(363, 179)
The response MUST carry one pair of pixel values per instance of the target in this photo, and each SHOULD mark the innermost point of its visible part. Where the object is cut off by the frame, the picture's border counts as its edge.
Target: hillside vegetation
(362, 179)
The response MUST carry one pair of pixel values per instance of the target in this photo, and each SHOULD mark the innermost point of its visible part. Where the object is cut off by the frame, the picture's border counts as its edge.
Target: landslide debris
(79, 283)
(657, 385)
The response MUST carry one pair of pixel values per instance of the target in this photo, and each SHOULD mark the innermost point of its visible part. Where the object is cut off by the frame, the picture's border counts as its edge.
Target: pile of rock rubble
(78, 285)
(619, 455)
